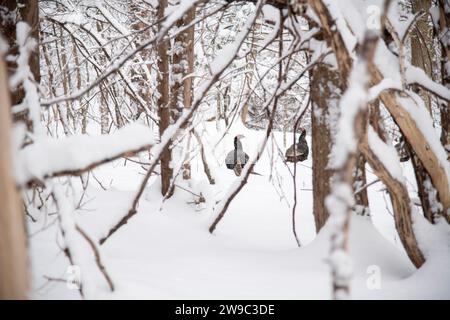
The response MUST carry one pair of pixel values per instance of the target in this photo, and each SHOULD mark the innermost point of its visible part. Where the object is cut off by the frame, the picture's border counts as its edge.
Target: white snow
(48, 155)
(71, 241)
(340, 22)
(386, 154)
(431, 281)
(416, 108)
(169, 254)
(417, 75)
(384, 84)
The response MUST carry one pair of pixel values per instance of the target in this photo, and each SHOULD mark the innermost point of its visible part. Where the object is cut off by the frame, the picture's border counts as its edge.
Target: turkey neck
(301, 138)
(237, 144)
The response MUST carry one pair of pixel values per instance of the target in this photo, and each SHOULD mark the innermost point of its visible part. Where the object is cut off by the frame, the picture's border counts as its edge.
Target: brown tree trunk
(359, 177)
(163, 105)
(183, 65)
(188, 92)
(421, 57)
(324, 82)
(444, 24)
(421, 45)
(13, 247)
(361, 197)
(188, 83)
(401, 204)
(376, 121)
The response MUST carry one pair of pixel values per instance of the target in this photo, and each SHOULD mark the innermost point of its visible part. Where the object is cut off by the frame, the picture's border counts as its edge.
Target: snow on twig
(48, 157)
(73, 250)
(415, 75)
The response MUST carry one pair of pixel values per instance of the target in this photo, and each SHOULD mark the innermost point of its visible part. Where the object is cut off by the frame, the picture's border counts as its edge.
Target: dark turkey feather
(402, 151)
(237, 158)
(298, 151)
(234, 156)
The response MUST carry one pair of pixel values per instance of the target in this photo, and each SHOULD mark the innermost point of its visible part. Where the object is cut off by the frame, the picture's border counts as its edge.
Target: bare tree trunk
(421, 45)
(327, 80)
(26, 11)
(52, 87)
(375, 119)
(163, 105)
(188, 92)
(401, 204)
(361, 197)
(421, 57)
(63, 112)
(359, 177)
(444, 24)
(250, 67)
(104, 110)
(183, 65)
(13, 247)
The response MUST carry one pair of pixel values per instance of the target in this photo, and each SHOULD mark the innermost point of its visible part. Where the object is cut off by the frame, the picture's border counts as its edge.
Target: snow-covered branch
(74, 155)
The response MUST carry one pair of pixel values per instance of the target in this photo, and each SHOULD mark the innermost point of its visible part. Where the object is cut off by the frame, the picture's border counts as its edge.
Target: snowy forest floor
(166, 252)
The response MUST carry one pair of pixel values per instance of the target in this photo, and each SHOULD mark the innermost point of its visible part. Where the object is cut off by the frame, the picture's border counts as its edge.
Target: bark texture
(325, 94)
(164, 105)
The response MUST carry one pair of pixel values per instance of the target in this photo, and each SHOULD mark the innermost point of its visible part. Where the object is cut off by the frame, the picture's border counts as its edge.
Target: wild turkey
(402, 150)
(237, 158)
(298, 151)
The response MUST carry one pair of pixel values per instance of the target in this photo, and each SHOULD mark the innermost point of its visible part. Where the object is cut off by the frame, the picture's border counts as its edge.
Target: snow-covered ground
(166, 252)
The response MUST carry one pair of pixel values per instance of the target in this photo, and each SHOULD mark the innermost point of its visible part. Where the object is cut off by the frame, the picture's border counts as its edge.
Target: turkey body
(236, 159)
(298, 151)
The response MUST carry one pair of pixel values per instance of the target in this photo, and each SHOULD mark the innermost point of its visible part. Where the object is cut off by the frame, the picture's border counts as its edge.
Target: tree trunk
(324, 96)
(376, 121)
(421, 45)
(13, 247)
(163, 105)
(401, 204)
(361, 197)
(188, 93)
(104, 110)
(421, 57)
(183, 65)
(26, 11)
(444, 24)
